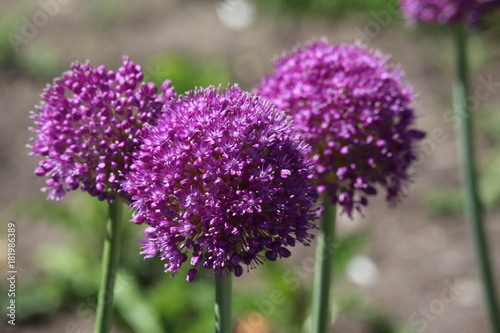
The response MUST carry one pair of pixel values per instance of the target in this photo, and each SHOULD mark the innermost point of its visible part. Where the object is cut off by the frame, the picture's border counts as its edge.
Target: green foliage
(368, 313)
(487, 121)
(283, 293)
(106, 13)
(444, 202)
(133, 306)
(183, 307)
(18, 53)
(40, 62)
(327, 8)
(147, 300)
(185, 72)
(449, 201)
(39, 298)
(348, 248)
(489, 184)
(7, 27)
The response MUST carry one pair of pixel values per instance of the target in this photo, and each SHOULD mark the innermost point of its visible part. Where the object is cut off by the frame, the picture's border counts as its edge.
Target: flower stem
(323, 272)
(111, 252)
(473, 209)
(223, 286)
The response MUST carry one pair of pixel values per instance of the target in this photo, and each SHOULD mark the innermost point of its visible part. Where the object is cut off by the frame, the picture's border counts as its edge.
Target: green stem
(473, 209)
(323, 272)
(111, 252)
(223, 286)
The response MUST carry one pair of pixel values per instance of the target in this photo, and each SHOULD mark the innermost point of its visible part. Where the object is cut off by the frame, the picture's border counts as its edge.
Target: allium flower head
(223, 182)
(469, 12)
(355, 113)
(87, 125)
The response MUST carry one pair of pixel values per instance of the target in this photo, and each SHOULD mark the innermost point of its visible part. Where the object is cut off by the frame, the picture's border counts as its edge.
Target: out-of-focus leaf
(42, 63)
(75, 268)
(347, 248)
(487, 123)
(444, 202)
(489, 184)
(32, 300)
(330, 8)
(360, 308)
(133, 306)
(185, 73)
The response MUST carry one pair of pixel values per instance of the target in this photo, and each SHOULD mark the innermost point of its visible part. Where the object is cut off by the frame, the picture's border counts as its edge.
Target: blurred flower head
(469, 12)
(354, 111)
(87, 125)
(223, 182)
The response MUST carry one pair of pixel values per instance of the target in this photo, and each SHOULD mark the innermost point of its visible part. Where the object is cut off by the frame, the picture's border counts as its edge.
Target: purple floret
(470, 12)
(87, 125)
(355, 113)
(223, 182)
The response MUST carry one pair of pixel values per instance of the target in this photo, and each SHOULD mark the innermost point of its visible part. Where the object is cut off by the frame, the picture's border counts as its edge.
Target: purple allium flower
(469, 12)
(223, 181)
(355, 113)
(88, 124)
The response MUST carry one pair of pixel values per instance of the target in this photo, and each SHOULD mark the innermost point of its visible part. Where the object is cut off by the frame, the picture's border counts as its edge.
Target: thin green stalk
(323, 272)
(473, 209)
(223, 286)
(111, 252)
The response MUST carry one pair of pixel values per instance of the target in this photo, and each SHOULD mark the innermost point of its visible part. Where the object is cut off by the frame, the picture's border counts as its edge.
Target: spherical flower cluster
(87, 125)
(223, 181)
(470, 12)
(354, 111)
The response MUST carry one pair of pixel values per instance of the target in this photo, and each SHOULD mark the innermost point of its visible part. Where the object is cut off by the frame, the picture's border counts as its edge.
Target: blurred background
(403, 269)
